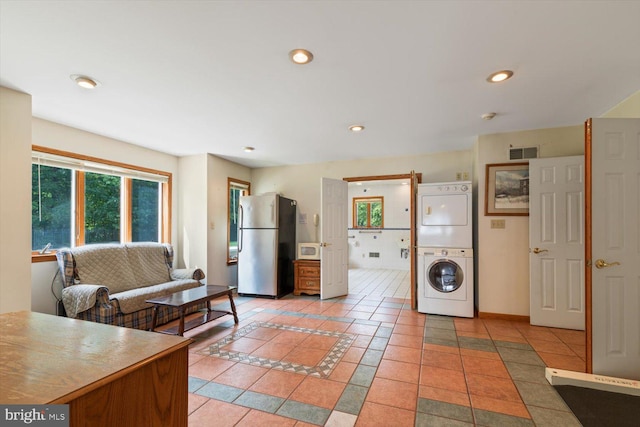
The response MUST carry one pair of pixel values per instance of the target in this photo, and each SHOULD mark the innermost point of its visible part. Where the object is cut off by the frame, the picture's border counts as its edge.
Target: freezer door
(259, 211)
(257, 266)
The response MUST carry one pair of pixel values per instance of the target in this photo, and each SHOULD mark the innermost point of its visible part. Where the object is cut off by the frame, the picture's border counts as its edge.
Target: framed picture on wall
(507, 189)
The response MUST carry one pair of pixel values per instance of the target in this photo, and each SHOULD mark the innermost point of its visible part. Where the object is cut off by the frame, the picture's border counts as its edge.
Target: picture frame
(507, 189)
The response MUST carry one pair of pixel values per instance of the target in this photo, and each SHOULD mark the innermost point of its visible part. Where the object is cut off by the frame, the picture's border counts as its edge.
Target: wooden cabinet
(108, 375)
(306, 277)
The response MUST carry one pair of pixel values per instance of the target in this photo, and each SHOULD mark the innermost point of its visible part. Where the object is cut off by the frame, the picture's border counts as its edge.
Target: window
(51, 194)
(78, 200)
(101, 208)
(368, 212)
(236, 188)
(145, 210)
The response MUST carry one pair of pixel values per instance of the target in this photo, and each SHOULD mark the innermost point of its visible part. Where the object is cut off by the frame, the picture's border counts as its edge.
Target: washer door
(445, 275)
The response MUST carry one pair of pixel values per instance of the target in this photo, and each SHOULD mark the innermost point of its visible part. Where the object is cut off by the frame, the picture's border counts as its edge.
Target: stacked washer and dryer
(445, 249)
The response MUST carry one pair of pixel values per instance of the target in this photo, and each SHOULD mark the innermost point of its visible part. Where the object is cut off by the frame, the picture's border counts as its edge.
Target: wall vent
(374, 254)
(523, 153)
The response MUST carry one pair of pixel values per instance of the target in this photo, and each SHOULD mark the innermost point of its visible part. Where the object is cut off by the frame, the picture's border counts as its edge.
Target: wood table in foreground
(108, 375)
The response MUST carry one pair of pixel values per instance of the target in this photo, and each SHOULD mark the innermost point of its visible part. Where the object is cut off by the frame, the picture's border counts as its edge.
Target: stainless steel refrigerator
(266, 245)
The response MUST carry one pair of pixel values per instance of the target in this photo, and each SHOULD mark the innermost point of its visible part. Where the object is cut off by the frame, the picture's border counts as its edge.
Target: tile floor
(380, 282)
(369, 360)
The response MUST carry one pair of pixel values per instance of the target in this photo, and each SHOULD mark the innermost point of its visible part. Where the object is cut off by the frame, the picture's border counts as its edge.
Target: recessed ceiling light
(84, 81)
(500, 76)
(248, 149)
(356, 128)
(301, 56)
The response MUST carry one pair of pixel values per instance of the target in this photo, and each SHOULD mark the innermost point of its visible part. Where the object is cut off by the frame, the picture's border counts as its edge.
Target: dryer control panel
(447, 252)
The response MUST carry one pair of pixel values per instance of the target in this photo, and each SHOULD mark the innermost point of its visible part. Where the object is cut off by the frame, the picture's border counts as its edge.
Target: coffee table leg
(181, 324)
(154, 317)
(233, 307)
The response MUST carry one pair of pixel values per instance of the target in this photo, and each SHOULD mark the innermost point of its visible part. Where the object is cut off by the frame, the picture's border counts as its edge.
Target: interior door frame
(412, 228)
(587, 246)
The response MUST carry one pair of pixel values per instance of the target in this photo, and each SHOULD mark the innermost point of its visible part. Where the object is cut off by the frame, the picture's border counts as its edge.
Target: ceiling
(189, 77)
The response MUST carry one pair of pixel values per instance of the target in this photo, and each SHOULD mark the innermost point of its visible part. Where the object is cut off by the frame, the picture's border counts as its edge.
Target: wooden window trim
(79, 237)
(230, 182)
(354, 212)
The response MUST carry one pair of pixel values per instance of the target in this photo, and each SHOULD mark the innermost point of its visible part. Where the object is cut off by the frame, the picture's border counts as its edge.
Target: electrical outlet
(465, 176)
(498, 223)
(458, 176)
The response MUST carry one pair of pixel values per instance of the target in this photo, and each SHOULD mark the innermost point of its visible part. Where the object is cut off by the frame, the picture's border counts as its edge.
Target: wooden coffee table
(184, 299)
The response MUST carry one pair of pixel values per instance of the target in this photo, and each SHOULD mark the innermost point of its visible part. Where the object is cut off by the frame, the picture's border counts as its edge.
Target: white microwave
(308, 250)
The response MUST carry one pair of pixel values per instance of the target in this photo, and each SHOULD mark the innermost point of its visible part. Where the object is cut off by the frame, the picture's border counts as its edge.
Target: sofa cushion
(148, 262)
(134, 299)
(106, 265)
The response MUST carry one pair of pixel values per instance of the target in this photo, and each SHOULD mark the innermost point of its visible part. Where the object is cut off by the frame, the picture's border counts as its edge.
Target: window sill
(232, 262)
(38, 257)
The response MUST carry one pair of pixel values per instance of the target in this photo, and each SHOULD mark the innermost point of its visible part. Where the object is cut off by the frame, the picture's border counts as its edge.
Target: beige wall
(502, 255)
(192, 211)
(627, 109)
(218, 272)
(15, 201)
(302, 182)
(203, 214)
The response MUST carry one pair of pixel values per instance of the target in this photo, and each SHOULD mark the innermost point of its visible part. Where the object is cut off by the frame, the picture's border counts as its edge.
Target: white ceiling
(188, 77)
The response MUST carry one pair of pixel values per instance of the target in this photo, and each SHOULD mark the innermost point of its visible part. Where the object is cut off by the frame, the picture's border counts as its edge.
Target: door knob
(539, 251)
(600, 263)
(324, 245)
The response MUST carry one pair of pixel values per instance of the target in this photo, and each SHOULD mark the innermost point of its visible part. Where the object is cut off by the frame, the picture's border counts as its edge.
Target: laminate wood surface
(103, 372)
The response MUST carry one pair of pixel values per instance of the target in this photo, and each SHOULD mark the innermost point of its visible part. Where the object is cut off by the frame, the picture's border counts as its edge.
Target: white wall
(396, 233)
(302, 182)
(60, 137)
(502, 255)
(15, 201)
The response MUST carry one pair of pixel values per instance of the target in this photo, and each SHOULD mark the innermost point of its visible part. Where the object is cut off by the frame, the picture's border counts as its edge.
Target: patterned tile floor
(372, 361)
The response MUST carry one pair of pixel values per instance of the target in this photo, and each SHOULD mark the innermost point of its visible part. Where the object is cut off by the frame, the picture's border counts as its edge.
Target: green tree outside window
(368, 212)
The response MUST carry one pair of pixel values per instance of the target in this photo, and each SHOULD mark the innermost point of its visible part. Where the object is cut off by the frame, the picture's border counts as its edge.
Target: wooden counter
(107, 374)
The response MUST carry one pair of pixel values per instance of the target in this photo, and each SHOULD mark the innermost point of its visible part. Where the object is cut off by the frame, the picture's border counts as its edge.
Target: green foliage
(376, 214)
(50, 206)
(52, 201)
(368, 213)
(101, 208)
(145, 213)
(362, 214)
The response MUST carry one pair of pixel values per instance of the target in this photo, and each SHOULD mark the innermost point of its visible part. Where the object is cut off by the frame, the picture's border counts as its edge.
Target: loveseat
(109, 283)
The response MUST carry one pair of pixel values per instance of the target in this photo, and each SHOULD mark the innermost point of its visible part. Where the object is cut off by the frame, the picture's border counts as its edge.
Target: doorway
(382, 253)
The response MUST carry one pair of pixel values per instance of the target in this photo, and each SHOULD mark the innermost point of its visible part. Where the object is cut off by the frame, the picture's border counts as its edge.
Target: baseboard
(598, 382)
(500, 316)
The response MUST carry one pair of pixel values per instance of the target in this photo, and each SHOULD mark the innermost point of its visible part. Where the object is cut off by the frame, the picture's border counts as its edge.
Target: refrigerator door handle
(241, 228)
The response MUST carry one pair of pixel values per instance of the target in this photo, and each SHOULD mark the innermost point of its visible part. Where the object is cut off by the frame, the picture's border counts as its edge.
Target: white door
(556, 240)
(615, 252)
(334, 253)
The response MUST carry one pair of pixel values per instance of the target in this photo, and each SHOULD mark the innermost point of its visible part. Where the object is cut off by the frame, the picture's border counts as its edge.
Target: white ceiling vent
(522, 153)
